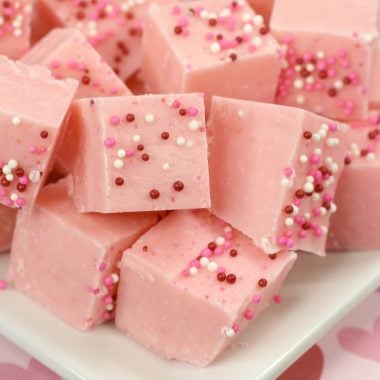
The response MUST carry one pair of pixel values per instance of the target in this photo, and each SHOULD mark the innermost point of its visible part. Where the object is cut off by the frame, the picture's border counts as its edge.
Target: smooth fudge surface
(68, 54)
(330, 47)
(216, 47)
(32, 121)
(192, 283)
(274, 171)
(142, 153)
(7, 224)
(113, 27)
(67, 262)
(355, 226)
(15, 28)
(374, 89)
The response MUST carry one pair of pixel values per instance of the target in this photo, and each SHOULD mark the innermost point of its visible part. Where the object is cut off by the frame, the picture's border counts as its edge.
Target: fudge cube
(262, 7)
(192, 283)
(356, 223)
(329, 55)
(374, 89)
(68, 54)
(273, 172)
(143, 153)
(67, 262)
(33, 110)
(7, 223)
(15, 28)
(200, 42)
(113, 27)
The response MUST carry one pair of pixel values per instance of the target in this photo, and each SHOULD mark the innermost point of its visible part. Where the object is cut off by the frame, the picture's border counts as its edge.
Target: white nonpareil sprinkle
(16, 120)
(118, 164)
(215, 47)
(204, 261)
(193, 271)
(121, 153)
(220, 240)
(181, 141)
(303, 159)
(166, 166)
(149, 118)
(34, 175)
(308, 187)
(115, 278)
(212, 266)
(194, 125)
(289, 222)
(136, 138)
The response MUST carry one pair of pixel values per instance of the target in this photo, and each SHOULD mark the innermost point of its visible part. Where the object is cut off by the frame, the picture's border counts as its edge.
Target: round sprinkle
(118, 164)
(178, 186)
(154, 194)
(121, 153)
(44, 134)
(181, 141)
(194, 125)
(193, 271)
(136, 138)
(149, 118)
(204, 261)
(233, 253)
(140, 147)
(166, 166)
(273, 256)
(262, 282)
(221, 276)
(130, 117)
(16, 120)
(165, 135)
(307, 135)
(211, 246)
(212, 266)
(145, 157)
(231, 278)
(119, 181)
(115, 120)
(109, 142)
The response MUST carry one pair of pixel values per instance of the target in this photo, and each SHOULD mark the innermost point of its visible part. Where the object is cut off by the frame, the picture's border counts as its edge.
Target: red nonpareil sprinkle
(221, 276)
(262, 282)
(154, 194)
(233, 253)
(231, 278)
(178, 186)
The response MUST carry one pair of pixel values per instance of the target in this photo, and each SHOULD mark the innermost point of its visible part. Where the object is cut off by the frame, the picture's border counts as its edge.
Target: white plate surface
(316, 295)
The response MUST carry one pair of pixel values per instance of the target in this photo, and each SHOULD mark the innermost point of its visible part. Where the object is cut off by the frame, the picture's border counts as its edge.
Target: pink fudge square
(68, 54)
(33, 110)
(192, 283)
(355, 226)
(67, 262)
(216, 47)
(114, 28)
(7, 223)
(15, 27)
(330, 51)
(262, 7)
(142, 153)
(273, 172)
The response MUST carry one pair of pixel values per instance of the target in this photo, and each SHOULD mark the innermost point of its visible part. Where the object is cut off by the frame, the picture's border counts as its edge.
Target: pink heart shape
(35, 371)
(361, 342)
(307, 367)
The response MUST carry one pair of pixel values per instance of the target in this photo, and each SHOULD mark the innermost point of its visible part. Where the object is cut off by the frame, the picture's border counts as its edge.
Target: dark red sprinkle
(19, 172)
(273, 256)
(140, 147)
(262, 282)
(145, 248)
(165, 135)
(233, 253)
(300, 194)
(211, 246)
(347, 80)
(364, 152)
(332, 92)
(307, 135)
(231, 278)
(178, 186)
(347, 161)
(304, 73)
(300, 61)
(221, 276)
(306, 226)
(145, 157)
(4, 182)
(318, 188)
(288, 209)
(326, 205)
(264, 30)
(233, 57)
(44, 134)
(130, 117)
(178, 29)
(212, 22)
(86, 79)
(322, 74)
(119, 181)
(154, 194)
(21, 188)
(182, 112)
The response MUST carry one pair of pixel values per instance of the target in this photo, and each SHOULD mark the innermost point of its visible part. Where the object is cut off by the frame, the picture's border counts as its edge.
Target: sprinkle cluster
(233, 30)
(312, 76)
(13, 17)
(83, 72)
(301, 219)
(131, 150)
(15, 179)
(100, 20)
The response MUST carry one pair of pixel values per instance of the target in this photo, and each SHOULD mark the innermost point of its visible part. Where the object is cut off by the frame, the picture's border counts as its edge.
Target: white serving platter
(317, 294)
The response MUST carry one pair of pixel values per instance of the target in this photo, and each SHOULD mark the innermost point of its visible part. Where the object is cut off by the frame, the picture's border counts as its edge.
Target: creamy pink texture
(228, 54)
(68, 54)
(113, 27)
(374, 89)
(67, 262)
(7, 223)
(170, 298)
(31, 122)
(356, 223)
(273, 172)
(143, 153)
(330, 51)
(15, 27)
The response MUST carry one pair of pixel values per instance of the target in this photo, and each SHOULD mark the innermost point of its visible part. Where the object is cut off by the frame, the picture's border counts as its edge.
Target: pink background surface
(350, 351)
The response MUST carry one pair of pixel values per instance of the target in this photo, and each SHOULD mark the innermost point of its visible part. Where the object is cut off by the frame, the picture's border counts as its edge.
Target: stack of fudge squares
(162, 161)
